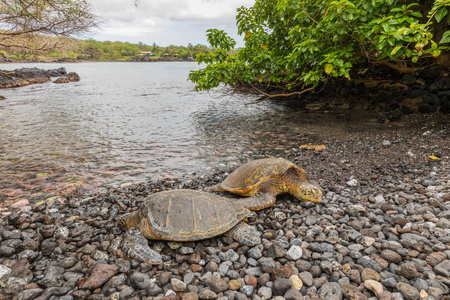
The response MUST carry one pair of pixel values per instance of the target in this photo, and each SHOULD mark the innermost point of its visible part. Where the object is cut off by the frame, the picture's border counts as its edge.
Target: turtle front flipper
(130, 220)
(244, 234)
(136, 246)
(258, 202)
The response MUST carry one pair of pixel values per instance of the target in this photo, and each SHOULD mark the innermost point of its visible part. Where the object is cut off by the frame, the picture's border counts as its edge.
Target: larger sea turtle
(184, 215)
(263, 179)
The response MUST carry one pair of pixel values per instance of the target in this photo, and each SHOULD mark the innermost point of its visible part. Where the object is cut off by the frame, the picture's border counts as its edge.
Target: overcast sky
(166, 22)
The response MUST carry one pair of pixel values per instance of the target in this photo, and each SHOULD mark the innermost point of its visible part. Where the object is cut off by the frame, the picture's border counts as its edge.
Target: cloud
(164, 20)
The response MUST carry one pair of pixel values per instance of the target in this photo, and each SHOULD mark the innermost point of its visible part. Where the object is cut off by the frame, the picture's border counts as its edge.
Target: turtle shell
(250, 175)
(190, 215)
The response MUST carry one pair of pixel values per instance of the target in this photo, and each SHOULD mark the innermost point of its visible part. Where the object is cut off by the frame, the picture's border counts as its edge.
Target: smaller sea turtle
(263, 179)
(184, 215)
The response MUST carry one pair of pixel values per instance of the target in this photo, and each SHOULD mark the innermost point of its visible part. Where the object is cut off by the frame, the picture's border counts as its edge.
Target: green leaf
(440, 14)
(395, 50)
(328, 68)
(445, 37)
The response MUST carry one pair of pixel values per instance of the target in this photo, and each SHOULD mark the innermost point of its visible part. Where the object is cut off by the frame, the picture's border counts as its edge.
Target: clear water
(135, 121)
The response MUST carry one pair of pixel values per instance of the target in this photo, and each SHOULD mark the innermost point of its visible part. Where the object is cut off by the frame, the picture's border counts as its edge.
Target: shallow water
(138, 121)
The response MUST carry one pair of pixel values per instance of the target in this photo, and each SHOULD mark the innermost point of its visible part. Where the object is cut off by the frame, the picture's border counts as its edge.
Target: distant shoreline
(53, 61)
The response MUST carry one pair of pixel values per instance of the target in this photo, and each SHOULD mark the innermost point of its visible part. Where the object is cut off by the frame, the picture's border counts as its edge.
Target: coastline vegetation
(74, 49)
(293, 47)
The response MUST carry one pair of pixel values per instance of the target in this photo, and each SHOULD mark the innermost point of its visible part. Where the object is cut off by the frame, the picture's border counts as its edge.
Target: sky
(166, 22)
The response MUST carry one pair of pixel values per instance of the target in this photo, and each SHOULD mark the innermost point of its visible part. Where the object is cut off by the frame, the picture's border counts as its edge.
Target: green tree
(22, 21)
(293, 45)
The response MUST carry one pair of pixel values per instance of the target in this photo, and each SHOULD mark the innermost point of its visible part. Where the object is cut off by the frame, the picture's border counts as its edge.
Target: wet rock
(443, 268)
(101, 274)
(30, 294)
(6, 251)
(391, 256)
(267, 264)
(330, 291)
(153, 289)
(72, 76)
(139, 281)
(247, 290)
(126, 293)
(4, 271)
(352, 292)
(264, 293)
(207, 294)
(374, 286)
(281, 285)
(254, 271)
(255, 252)
(14, 285)
(409, 270)
(61, 80)
(367, 262)
(408, 291)
(276, 250)
(307, 278)
(369, 274)
(178, 285)
(217, 285)
(190, 296)
(293, 294)
(53, 277)
(354, 276)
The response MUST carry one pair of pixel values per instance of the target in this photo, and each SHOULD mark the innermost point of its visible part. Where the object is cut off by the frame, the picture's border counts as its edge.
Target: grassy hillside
(95, 50)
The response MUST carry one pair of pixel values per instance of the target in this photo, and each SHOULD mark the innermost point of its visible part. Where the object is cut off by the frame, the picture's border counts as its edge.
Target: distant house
(147, 53)
(167, 55)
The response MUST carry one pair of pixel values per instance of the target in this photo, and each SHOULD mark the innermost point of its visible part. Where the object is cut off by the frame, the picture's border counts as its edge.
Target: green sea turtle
(184, 215)
(263, 179)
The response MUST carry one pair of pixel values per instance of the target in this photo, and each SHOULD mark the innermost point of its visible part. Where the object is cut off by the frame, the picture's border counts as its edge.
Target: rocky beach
(381, 232)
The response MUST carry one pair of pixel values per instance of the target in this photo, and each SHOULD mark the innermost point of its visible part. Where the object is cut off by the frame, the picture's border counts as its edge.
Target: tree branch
(269, 96)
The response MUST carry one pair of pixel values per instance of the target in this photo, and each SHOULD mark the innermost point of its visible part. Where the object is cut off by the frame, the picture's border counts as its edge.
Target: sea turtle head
(309, 191)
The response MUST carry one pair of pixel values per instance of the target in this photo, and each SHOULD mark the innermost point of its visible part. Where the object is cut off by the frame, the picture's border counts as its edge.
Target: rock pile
(26, 76)
(426, 91)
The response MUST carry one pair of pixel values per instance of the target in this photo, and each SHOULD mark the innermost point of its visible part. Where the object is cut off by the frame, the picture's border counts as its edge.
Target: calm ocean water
(133, 121)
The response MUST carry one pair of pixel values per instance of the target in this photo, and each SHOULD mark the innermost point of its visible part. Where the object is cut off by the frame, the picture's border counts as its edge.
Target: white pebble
(352, 182)
(295, 252)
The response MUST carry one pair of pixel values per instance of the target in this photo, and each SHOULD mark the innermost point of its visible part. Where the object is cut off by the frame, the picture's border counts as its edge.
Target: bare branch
(21, 19)
(269, 96)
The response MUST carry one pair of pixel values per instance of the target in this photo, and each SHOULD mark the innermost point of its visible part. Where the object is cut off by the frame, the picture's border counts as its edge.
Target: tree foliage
(22, 20)
(293, 45)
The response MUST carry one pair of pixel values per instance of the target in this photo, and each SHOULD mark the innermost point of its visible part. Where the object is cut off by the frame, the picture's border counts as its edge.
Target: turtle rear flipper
(244, 234)
(258, 202)
(136, 246)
